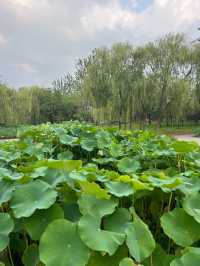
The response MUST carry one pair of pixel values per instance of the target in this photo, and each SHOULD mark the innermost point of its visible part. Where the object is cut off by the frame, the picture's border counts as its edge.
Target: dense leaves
(78, 195)
(61, 245)
(6, 226)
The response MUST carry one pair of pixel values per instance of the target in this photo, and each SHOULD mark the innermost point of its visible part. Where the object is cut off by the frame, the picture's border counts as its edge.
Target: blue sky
(42, 40)
(138, 6)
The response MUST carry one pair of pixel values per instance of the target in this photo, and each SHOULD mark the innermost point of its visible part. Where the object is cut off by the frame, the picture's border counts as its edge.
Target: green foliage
(61, 245)
(191, 257)
(126, 85)
(79, 195)
(183, 223)
(6, 226)
(139, 240)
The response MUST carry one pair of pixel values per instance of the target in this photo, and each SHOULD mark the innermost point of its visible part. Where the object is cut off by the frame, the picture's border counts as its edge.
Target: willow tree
(168, 61)
(121, 79)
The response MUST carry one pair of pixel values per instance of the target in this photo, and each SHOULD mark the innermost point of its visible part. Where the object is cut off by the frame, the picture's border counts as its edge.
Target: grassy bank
(8, 132)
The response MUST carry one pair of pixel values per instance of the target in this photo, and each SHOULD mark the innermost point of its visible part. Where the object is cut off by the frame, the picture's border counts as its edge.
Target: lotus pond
(73, 194)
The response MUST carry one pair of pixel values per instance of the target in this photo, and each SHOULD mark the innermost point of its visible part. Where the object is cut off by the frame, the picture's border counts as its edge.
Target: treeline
(34, 105)
(158, 82)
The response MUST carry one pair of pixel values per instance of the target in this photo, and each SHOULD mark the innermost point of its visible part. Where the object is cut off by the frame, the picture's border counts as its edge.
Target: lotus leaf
(66, 155)
(6, 226)
(31, 256)
(92, 188)
(127, 262)
(191, 205)
(139, 240)
(181, 227)
(32, 196)
(61, 245)
(88, 144)
(119, 189)
(37, 223)
(128, 165)
(90, 225)
(6, 190)
(118, 221)
(190, 258)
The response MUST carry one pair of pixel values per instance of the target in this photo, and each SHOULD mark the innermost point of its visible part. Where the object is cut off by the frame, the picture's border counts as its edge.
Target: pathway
(187, 137)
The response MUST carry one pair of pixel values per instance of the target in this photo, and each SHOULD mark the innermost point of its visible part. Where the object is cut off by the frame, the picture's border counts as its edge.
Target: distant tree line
(158, 82)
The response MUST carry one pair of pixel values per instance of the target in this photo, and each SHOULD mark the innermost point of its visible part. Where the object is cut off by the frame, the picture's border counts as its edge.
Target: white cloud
(27, 3)
(25, 67)
(23, 3)
(50, 35)
(110, 16)
(3, 40)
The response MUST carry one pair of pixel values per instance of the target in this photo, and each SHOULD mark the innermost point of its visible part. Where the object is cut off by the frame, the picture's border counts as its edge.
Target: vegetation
(7, 132)
(196, 132)
(125, 85)
(77, 195)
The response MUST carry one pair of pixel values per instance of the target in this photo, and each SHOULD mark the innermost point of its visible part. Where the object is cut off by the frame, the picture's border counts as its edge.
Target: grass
(175, 130)
(8, 132)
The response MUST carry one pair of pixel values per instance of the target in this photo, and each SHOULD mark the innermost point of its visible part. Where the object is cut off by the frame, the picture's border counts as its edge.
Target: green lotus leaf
(103, 139)
(124, 178)
(104, 160)
(128, 165)
(39, 172)
(71, 211)
(156, 256)
(190, 185)
(31, 256)
(185, 146)
(37, 223)
(138, 185)
(4, 173)
(166, 185)
(32, 196)
(61, 245)
(96, 259)
(54, 177)
(66, 165)
(89, 226)
(78, 175)
(66, 155)
(9, 156)
(92, 188)
(134, 182)
(187, 229)
(116, 150)
(88, 144)
(6, 227)
(119, 189)
(118, 221)
(6, 190)
(67, 139)
(127, 262)
(9, 175)
(2, 264)
(191, 204)
(37, 150)
(190, 258)
(139, 240)
(96, 239)
(88, 203)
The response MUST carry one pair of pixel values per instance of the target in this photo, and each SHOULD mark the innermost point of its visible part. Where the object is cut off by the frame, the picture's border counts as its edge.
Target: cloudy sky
(41, 40)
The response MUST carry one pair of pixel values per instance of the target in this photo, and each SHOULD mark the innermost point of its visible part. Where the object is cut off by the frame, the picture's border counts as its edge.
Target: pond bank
(187, 137)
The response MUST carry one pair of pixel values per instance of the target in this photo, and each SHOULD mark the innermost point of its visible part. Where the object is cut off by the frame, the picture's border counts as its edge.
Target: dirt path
(187, 137)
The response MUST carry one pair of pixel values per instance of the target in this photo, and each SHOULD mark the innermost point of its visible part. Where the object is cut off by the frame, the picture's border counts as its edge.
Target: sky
(41, 40)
